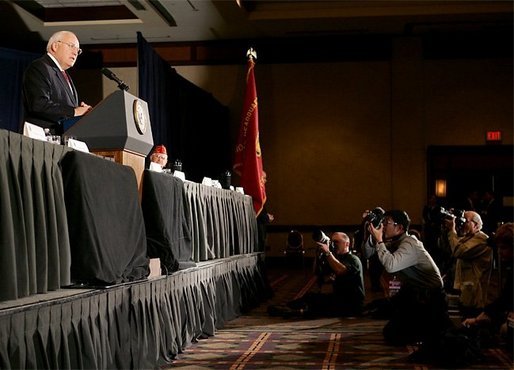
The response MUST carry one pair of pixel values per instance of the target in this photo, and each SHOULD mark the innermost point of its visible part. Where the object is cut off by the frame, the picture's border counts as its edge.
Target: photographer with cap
(473, 260)
(158, 158)
(419, 309)
(343, 271)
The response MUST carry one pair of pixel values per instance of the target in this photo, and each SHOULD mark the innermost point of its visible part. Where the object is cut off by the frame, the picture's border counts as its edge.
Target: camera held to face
(375, 217)
(457, 214)
(322, 266)
(320, 237)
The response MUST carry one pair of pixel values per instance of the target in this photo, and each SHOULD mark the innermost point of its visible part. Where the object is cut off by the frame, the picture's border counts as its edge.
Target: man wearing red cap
(158, 158)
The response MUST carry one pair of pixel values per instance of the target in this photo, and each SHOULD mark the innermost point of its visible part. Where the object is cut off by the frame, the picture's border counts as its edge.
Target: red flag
(248, 159)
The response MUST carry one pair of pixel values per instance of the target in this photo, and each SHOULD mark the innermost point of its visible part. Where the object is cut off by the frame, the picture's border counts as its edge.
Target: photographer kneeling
(419, 308)
(343, 271)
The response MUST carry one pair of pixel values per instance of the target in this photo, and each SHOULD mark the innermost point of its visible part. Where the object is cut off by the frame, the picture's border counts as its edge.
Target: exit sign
(493, 136)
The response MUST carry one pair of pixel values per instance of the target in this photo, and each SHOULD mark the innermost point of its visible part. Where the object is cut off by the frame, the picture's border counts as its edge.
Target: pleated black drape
(138, 326)
(35, 250)
(12, 66)
(192, 124)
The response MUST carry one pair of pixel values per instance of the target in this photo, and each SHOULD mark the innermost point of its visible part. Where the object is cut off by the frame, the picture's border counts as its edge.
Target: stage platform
(75, 219)
(137, 325)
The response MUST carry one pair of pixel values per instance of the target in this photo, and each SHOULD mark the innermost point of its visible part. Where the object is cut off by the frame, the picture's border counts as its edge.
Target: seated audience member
(158, 158)
(473, 259)
(343, 271)
(419, 309)
(499, 314)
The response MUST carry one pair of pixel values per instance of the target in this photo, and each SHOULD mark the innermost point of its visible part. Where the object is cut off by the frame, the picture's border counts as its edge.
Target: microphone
(111, 76)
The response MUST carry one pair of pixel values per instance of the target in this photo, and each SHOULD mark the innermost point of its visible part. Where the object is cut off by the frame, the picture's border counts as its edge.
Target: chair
(294, 251)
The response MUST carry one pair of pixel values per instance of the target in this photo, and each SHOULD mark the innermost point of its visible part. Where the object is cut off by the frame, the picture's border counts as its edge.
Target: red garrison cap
(160, 149)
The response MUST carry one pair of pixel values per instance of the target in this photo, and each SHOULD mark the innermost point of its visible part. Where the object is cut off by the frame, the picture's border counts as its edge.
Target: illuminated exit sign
(493, 136)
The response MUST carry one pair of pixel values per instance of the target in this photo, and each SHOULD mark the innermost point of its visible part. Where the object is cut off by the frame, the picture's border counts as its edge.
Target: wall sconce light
(440, 188)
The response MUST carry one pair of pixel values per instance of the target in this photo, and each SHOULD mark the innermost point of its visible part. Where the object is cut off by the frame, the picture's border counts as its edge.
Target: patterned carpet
(258, 341)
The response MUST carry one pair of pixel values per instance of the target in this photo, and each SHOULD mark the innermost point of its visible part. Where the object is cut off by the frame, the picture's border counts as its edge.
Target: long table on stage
(53, 235)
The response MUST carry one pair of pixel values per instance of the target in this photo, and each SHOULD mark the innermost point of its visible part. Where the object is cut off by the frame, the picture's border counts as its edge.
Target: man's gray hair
(57, 37)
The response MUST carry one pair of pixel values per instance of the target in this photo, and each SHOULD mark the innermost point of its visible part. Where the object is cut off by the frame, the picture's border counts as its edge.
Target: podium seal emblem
(140, 116)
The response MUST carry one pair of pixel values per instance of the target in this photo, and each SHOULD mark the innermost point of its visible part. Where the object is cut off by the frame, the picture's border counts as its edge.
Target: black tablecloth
(168, 230)
(105, 221)
(187, 221)
(34, 247)
(223, 222)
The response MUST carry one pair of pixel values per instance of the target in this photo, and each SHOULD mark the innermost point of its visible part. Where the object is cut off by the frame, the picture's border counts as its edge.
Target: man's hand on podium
(82, 109)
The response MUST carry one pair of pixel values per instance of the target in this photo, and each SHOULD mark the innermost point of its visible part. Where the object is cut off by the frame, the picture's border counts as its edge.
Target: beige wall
(338, 138)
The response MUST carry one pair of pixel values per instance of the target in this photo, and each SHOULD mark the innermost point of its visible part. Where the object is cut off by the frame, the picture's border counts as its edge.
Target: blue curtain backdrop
(193, 125)
(12, 66)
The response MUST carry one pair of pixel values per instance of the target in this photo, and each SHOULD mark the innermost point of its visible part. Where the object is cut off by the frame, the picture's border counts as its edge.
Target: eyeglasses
(72, 46)
(385, 223)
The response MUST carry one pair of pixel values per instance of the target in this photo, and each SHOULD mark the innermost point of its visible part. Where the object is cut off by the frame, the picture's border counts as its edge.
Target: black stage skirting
(136, 325)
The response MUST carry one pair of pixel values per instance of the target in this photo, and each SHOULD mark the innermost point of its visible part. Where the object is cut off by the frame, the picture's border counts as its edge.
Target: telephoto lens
(320, 237)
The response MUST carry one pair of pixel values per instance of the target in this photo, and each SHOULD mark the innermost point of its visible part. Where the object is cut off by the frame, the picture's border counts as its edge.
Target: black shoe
(297, 304)
(420, 356)
(279, 310)
(283, 311)
(274, 310)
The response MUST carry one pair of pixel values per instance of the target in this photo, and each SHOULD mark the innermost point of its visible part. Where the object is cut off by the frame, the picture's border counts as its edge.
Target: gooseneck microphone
(111, 76)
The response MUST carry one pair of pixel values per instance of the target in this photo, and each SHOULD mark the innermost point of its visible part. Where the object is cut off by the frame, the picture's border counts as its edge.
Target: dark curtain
(192, 124)
(12, 66)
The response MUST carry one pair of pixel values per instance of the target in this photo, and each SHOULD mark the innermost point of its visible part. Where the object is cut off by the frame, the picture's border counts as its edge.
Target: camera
(320, 237)
(457, 214)
(322, 266)
(375, 217)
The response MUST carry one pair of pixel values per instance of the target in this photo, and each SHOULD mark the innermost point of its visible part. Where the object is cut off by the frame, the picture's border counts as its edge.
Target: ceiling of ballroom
(117, 21)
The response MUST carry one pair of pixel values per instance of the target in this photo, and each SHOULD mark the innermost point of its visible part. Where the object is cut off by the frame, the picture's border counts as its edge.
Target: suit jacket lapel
(64, 83)
(75, 95)
(71, 94)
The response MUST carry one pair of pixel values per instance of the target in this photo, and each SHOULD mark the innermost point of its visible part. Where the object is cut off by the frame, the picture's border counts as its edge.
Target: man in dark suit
(49, 95)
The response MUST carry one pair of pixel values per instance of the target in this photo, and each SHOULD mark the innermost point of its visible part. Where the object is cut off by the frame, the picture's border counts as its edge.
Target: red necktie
(68, 80)
(66, 77)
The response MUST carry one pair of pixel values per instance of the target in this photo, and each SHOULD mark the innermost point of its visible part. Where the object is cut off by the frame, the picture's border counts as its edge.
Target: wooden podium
(119, 129)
